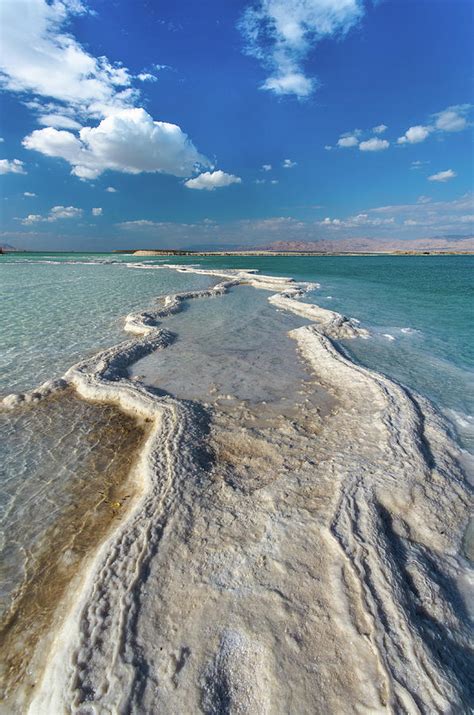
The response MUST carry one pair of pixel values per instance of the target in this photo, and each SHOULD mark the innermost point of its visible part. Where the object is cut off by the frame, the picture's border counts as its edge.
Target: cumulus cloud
(415, 135)
(347, 140)
(38, 55)
(274, 181)
(374, 144)
(452, 119)
(147, 77)
(211, 180)
(67, 87)
(129, 141)
(56, 213)
(290, 83)
(111, 190)
(97, 212)
(288, 164)
(11, 166)
(29, 194)
(443, 176)
(266, 167)
(281, 34)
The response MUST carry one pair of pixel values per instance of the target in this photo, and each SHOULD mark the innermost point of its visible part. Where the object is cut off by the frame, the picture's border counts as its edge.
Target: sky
(186, 124)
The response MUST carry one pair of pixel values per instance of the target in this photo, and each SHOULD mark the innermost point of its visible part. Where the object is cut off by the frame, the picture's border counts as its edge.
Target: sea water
(55, 310)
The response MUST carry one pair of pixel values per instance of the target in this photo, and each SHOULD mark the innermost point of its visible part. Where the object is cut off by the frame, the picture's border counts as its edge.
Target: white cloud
(452, 119)
(38, 55)
(29, 194)
(347, 140)
(443, 175)
(290, 83)
(68, 87)
(172, 229)
(2, 140)
(147, 77)
(418, 164)
(274, 181)
(415, 135)
(281, 33)
(288, 164)
(97, 212)
(111, 190)
(59, 121)
(128, 141)
(328, 147)
(211, 180)
(260, 181)
(266, 167)
(140, 224)
(379, 129)
(11, 166)
(374, 144)
(464, 203)
(59, 212)
(56, 213)
(362, 219)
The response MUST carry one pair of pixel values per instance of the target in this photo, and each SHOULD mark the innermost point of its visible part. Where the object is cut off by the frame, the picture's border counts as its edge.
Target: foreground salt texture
(278, 559)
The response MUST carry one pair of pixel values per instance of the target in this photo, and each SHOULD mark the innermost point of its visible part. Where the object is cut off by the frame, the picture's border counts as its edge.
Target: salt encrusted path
(320, 578)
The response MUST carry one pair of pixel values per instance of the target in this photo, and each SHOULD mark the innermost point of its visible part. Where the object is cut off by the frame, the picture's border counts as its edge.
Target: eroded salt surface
(280, 560)
(235, 348)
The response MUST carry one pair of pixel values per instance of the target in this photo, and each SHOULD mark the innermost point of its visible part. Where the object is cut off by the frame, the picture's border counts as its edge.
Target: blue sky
(234, 123)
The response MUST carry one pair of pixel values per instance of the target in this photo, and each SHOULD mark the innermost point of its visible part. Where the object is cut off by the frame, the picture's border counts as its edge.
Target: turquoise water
(419, 310)
(53, 315)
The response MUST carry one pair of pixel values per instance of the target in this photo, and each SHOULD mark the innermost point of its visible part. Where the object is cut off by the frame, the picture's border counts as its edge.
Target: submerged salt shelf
(53, 313)
(237, 348)
(66, 466)
(296, 546)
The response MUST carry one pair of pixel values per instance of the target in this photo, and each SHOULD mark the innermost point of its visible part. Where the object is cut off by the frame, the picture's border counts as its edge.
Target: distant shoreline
(263, 254)
(171, 252)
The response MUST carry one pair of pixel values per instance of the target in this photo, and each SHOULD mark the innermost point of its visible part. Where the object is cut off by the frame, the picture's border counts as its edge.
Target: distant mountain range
(7, 247)
(374, 245)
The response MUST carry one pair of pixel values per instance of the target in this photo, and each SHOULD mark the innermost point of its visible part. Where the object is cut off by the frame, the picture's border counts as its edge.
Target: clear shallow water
(53, 315)
(64, 467)
(232, 347)
(47, 463)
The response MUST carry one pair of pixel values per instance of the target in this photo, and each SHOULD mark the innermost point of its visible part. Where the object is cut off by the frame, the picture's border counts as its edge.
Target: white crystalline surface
(296, 541)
